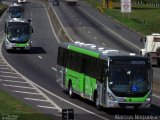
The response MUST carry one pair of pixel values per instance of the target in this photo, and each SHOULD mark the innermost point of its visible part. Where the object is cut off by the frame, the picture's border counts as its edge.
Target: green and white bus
(15, 11)
(108, 77)
(18, 34)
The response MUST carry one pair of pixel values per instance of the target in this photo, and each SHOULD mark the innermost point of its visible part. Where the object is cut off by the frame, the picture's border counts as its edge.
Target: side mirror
(32, 30)
(29, 20)
(106, 73)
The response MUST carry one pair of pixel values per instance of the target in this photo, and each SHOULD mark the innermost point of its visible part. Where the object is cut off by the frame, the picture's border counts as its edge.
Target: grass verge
(143, 18)
(12, 108)
(3, 7)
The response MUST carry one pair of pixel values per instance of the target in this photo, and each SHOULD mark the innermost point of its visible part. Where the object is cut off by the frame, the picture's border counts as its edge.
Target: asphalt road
(83, 23)
(38, 65)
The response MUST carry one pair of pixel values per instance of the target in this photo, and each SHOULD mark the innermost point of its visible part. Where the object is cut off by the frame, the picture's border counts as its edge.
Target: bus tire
(97, 102)
(70, 90)
(8, 51)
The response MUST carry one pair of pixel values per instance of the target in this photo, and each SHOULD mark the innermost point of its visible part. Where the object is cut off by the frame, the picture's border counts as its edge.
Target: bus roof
(15, 5)
(17, 20)
(96, 50)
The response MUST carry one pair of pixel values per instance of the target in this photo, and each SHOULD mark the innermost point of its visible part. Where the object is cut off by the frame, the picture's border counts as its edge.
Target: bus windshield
(130, 80)
(18, 33)
(15, 11)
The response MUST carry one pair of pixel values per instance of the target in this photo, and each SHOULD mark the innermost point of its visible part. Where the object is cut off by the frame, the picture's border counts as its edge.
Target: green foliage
(143, 18)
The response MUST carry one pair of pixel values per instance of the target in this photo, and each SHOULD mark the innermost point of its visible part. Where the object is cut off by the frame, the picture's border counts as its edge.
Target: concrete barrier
(156, 87)
(59, 29)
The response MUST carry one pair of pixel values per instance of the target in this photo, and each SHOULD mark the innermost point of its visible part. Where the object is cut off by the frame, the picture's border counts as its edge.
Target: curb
(100, 9)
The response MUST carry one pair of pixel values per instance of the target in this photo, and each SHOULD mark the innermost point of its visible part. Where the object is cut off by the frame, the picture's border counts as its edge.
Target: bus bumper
(11, 46)
(129, 105)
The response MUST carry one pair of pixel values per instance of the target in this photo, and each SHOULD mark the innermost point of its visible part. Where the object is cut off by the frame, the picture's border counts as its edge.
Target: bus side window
(84, 64)
(102, 70)
(60, 56)
(65, 57)
(69, 60)
(89, 72)
(91, 68)
(79, 62)
(72, 60)
(76, 62)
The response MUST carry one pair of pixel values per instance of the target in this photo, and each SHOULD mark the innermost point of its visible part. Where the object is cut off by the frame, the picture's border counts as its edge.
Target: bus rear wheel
(97, 102)
(70, 90)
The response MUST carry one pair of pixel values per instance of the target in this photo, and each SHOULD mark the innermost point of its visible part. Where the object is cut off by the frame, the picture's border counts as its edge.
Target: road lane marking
(4, 68)
(14, 81)
(18, 86)
(103, 44)
(156, 96)
(54, 68)
(23, 92)
(8, 72)
(3, 65)
(33, 99)
(62, 99)
(40, 57)
(10, 76)
(48, 107)
(113, 32)
(58, 115)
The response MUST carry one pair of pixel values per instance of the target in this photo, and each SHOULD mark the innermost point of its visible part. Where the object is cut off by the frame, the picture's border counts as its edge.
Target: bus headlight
(148, 99)
(110, 96)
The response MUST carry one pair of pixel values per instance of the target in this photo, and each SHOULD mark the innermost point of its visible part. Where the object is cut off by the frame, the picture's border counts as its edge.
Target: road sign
(67, 114)
(125, 6)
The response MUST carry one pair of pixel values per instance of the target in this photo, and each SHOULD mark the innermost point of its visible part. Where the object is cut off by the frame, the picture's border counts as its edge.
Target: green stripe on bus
(137, 99)
(21, 45)
(83, 51)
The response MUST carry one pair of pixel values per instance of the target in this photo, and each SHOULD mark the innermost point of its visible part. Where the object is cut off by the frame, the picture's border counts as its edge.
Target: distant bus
(15, 11)
(21, 1)
(18, 34)
(71, 2)
(108, 77)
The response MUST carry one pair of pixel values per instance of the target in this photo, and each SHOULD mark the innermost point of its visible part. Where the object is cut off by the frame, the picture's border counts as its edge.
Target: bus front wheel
(70, 90)
(97, 102)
